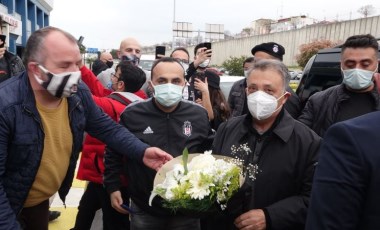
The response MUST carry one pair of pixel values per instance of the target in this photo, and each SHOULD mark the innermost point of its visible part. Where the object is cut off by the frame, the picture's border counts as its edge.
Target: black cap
(271, 48)
(213, 79)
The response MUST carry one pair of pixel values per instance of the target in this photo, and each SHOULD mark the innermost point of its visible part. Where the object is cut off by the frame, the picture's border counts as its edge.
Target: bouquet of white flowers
(207, 182)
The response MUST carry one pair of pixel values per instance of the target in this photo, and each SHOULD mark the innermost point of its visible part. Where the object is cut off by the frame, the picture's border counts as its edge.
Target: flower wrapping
(206, 183)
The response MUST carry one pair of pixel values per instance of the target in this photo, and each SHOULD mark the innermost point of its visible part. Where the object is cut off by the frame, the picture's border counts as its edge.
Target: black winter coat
(285, 162)
(322, 108)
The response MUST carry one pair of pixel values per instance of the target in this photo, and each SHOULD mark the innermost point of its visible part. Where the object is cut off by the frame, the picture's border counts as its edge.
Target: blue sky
(105, 23)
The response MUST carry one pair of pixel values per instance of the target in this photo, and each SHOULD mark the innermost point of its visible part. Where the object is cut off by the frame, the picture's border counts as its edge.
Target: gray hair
(272, 64)
(34, 49)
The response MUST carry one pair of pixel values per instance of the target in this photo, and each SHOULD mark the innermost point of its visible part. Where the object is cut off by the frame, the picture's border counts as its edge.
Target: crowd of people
(127, 124)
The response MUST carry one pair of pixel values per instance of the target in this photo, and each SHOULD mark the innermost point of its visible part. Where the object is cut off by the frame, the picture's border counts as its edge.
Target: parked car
(146, 62)
(321, 72)
(226, 83)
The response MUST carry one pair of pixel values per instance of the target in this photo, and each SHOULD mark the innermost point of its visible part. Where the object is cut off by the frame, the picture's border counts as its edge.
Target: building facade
(21, 18)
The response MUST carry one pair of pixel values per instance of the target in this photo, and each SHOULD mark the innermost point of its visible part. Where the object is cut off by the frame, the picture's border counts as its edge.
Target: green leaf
(185, 156)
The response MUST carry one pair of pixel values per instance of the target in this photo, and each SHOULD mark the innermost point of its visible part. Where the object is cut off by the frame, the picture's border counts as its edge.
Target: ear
(32, 66)
(285, 97)
(121, 85)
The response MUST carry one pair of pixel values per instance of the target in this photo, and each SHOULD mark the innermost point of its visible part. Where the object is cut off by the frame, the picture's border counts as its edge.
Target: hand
(198, 101)
(117, 201)
(253, 219)
(2, 50)
(200, 85)
(155, 158)
(202, 56)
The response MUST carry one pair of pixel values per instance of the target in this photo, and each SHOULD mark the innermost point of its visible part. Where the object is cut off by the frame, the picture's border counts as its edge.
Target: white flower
(201, 162)
(199, 185)
(208, 179)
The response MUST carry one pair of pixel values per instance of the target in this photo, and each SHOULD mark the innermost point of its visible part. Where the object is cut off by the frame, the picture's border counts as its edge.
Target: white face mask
(185, 66)
(168, 94)
(246, 73)
(262, 105)
(205, 63)
(60, 85)
(358, 78)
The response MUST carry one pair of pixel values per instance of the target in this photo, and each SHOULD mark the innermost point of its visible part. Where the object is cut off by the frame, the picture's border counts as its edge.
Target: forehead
(130, 44)
(180, 54)
(168, 69)
(358, 54)
(265, 77)
(59, 48)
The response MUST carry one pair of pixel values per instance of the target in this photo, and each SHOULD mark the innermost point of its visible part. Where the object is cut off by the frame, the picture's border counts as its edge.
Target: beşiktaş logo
(187, 128)
(148, 130)
(275, 48)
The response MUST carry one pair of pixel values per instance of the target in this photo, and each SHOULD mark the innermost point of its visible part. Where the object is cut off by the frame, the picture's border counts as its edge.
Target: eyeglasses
(182, 60)
(114, 75)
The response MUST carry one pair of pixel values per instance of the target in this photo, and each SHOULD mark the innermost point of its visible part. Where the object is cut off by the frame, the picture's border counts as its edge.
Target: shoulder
(13, 89)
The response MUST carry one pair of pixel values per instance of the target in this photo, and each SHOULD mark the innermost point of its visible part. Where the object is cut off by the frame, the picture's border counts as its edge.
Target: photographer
(10, 64)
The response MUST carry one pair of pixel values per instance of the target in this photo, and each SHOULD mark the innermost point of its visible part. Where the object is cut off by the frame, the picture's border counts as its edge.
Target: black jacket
(322, 108)
(14, 65)
(187, 126)
(285, 162)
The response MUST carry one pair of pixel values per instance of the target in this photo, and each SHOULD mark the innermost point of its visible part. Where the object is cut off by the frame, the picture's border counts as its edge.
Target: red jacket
(91, 166)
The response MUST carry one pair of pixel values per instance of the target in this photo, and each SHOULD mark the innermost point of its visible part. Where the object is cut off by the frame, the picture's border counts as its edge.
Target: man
(359, 62)
(43, 114)
(130, 50)
(346, 184)
(202, 58)
(278, 155)
(127, 82)
(182, 55)
(237, 99)
(10, 64)
(272, 50)
(104, 75)
(104, 62)
(164, 121)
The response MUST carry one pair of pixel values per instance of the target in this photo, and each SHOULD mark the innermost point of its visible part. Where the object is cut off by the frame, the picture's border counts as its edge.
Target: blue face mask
(357, 78)
(168, 94)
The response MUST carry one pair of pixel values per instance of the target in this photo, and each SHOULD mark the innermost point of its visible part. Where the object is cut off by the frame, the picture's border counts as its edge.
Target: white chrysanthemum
(199, 185)
(201, 162)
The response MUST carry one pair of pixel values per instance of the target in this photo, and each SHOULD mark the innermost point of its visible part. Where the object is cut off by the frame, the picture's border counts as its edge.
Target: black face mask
(109, 64)
(131, 58)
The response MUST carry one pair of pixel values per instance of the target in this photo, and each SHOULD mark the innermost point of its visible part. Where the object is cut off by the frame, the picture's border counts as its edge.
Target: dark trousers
(36, 217)
(94, 198)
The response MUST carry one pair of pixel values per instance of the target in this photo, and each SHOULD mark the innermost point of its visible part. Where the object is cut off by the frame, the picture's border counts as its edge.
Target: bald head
(105, 56)
(130, 46)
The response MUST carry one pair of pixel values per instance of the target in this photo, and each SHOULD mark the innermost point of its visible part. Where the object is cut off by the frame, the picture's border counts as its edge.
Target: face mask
(110, 84)
(132, 58)
(168, 94)
(185, 66)
(109, 64)
(357, 78)
(246, 73)
(205, 63)
(262, 105)
(60, 85)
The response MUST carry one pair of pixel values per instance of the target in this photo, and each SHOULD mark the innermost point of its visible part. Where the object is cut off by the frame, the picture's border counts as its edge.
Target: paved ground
(67, 219)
